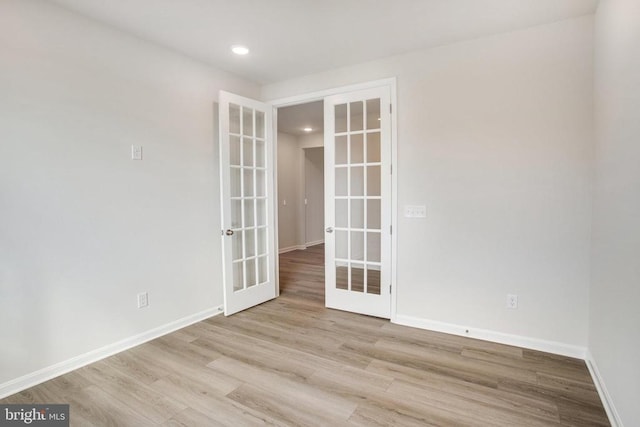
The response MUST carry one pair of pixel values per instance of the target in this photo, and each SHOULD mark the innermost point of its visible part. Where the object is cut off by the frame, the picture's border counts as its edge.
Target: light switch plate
(136, 152)
(415, 211)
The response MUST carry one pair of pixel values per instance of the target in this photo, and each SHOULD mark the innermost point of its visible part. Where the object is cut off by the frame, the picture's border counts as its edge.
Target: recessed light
(307, 129)
(239, 49)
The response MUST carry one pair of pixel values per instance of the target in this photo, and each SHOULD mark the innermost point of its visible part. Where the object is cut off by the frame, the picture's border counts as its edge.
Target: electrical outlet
(143, 300)
(136, 152)
(512, 301)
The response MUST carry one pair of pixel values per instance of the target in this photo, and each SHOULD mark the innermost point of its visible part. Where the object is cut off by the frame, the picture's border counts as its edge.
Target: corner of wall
(607, 401)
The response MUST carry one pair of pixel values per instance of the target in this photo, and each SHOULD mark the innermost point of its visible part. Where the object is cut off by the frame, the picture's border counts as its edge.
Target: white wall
(311, 140)
(295, 227)
(290, 191)
(495, 138)
(311, 144)
(615, 292)
(82, 227)
(314, 194)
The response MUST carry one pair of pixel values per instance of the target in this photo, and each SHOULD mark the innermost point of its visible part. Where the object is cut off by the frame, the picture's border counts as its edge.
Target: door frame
(304, 98)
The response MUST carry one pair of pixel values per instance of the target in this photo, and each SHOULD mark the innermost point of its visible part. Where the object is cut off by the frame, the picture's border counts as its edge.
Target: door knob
(329, 230)
(229, 232)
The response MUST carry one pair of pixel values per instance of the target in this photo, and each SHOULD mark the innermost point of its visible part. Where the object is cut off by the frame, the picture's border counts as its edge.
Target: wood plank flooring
(290, 361)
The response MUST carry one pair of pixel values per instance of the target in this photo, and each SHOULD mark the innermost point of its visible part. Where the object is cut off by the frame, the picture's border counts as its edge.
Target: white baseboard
(292, 248)
(315, 242)
(50, 372)
(494, 336)
(612, 413)
(300, 247)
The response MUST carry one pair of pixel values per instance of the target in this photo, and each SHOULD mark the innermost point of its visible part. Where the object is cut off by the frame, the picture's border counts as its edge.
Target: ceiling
(292, 38)
(294, 119)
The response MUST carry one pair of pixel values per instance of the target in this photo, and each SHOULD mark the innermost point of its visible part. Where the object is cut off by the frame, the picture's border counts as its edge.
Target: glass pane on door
(357, 277)
(373, 279)
(356, 116)
(373, 114)
(357, 198)
(262, 270)
(234, 150)
(357, 149)
(238, 276)
(248, 185)
(341, 118)
(250, 272)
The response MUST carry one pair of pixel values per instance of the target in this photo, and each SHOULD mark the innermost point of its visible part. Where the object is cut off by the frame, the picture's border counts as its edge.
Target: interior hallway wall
(290, 193)
(314, 195)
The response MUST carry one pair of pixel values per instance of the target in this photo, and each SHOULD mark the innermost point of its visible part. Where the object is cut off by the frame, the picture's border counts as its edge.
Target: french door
(357, 134)
(247, 201)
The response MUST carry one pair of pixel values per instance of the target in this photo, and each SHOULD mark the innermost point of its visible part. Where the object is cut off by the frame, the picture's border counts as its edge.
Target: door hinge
(222, 232)
(391, 169)
(390, 286)
(390, 108)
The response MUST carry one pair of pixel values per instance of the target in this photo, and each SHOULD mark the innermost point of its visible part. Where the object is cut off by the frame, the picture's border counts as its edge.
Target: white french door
(247, 201)
(357, 135)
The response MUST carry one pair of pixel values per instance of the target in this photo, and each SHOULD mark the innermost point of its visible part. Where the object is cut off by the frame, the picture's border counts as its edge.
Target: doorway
(359, 145)
(300, 185)
(300, 180)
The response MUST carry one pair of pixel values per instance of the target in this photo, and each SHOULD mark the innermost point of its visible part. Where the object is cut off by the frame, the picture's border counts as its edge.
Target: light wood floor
(290, 361)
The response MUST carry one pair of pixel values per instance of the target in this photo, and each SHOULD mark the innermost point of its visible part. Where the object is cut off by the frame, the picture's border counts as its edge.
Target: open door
(357, 138)
(247, 197)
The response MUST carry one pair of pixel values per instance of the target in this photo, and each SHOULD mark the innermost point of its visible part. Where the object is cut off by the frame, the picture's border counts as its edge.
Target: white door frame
(319, 96)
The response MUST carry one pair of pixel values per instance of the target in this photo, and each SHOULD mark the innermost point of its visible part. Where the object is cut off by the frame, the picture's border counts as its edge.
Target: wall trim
(292, 248)
(494, 336)
(314, 243)
(607, 402)
(303, 98)
(45, 374)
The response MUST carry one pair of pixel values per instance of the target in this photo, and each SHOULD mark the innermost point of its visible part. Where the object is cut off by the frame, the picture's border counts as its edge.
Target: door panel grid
(357, 183)
(246, 157)
(358, 252)
(248, 196)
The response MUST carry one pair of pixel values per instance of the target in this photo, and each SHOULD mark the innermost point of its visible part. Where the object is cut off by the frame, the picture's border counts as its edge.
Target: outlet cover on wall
(143, 300)
(415, 211)
(512, 301)
(136, 152)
